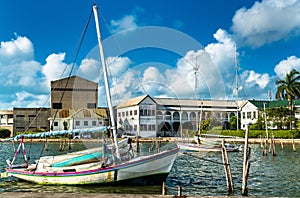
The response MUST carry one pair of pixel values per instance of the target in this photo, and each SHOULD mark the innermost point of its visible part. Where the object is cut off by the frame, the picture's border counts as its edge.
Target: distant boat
(191, 147)
(109, 164)
(206, 145)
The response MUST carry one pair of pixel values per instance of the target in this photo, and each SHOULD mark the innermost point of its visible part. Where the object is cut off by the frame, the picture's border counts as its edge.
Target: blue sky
(151, 47)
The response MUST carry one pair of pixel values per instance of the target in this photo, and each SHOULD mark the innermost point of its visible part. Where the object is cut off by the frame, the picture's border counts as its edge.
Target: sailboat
(111, 164)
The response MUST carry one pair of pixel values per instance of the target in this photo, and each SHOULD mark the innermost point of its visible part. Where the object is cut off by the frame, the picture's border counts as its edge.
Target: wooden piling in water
(46, 145)
(281, 142)
(246, 164)
(137, 144)
(264, 149)
(70, 148)
(158, 146)
(179, 193)
(273, 145)
(227, 168)
(294, 148)
(163, 188)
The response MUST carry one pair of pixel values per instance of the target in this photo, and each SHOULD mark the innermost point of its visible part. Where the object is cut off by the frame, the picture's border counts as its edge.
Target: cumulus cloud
(126, 23)
(118, 65)
(89, 69)
(267, 21)
(223, 51)
(16, 50)
(18, 69)
(27, 100)
(285, 66)
(54, 67)
(261, 80)
(24, 81)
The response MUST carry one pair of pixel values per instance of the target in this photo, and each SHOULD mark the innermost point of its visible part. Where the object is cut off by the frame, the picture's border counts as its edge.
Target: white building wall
(249, 115)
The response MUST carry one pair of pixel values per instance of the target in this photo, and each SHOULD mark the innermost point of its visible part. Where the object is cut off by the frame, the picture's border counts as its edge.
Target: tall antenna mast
(196, 73)
(236, 89)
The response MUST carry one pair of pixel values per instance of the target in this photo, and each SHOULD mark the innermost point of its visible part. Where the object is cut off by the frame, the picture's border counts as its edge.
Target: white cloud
(16, 50)
(22, 74)
(267, 21)
(89, 69)
(222, 52)
(18, 69)
(261, 80)
(117, 65)
(23, 80)
(25, 100)
(55, 68)
(285, 66)
(126, 23)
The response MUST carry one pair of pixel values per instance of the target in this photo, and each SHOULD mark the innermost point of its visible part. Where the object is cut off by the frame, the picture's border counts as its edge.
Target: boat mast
(108, 95)
(236, 90)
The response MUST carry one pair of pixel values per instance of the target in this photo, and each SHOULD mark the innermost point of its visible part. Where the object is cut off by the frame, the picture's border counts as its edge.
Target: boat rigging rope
(82, 36)
(73, 64)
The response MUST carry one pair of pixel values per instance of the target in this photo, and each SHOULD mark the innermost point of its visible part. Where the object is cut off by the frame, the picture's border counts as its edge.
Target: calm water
(269, 176)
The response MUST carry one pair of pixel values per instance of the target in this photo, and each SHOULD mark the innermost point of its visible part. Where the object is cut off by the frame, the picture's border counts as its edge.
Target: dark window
(55, 123)
(56, 105)
(91, 105)
(20, 116)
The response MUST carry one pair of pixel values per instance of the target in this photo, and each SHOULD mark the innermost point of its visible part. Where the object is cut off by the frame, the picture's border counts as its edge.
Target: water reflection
(198, 176)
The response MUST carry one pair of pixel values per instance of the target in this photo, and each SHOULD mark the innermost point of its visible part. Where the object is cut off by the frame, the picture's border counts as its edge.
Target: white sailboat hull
(144, 170)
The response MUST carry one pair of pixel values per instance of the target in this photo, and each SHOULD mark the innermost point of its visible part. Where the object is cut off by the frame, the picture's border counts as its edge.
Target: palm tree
(289, 88)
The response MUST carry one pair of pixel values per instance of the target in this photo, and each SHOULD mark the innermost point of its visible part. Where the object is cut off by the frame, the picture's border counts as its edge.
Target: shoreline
(166, 139)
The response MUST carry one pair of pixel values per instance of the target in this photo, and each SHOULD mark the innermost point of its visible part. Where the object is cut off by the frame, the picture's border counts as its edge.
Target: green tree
(258, 125)
(203, 126)
(278, 116)
(4, 133)
(289, 89)
(233, 123)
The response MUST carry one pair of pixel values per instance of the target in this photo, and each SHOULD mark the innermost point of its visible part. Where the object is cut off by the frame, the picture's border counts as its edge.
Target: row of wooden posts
(229, 181)
(264, 145)
(246, 167)
(246, 163)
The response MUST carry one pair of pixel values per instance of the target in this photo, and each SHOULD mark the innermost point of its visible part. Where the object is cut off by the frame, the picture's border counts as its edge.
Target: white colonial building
(78, 119)
(150, 117)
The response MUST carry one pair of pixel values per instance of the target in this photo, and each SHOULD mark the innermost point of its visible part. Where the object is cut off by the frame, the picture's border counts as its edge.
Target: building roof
(132, 101)
(72, 79)
(196, 103)
(273, 103)
(175, 102)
